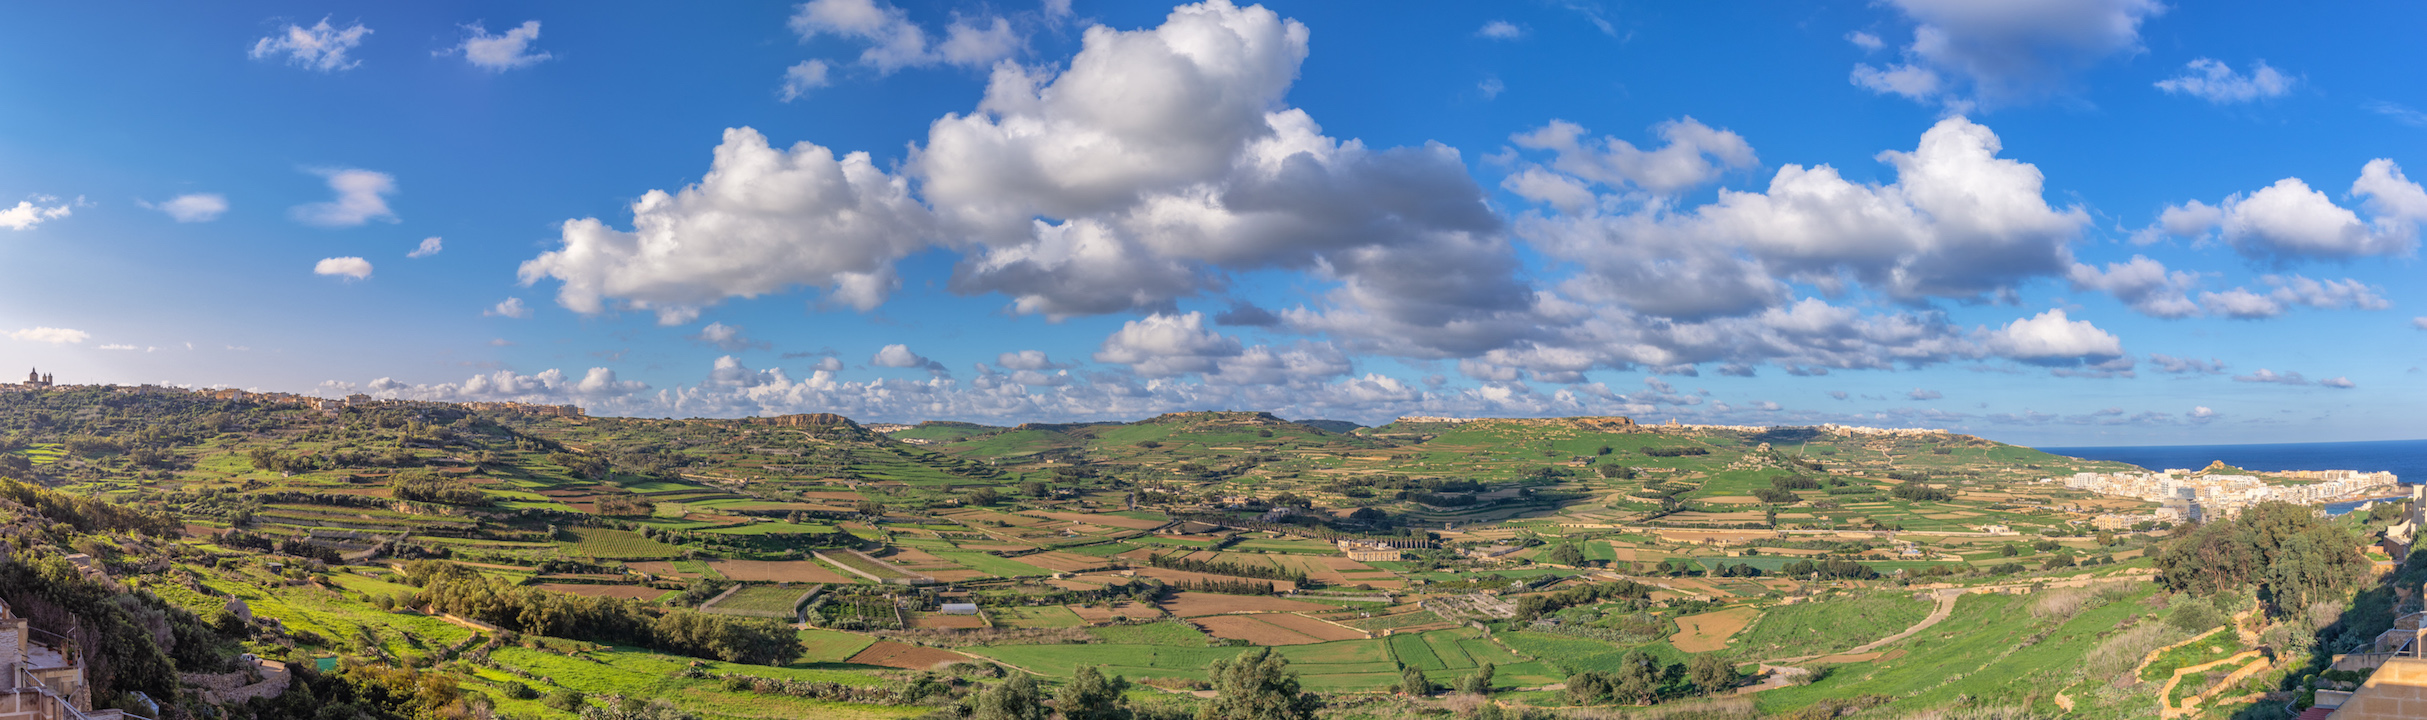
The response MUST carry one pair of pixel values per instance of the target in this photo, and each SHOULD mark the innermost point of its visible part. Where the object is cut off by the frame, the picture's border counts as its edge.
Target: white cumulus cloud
(501, 52)
(2050, 338)
(512, 307)
(2217, 83)
(2293, 378)
(193, 207)
(350, 267)
(1959, 222)
(27, 214)
(727, 337)
(1695, 154)
(900, 356)
(802, 78)
(894, 42)
(1969, 53)
(361, 198)
(2290, 221)
(321, 47)
(429, 246)
(1500, 30)
(762, 221)
(52, 335)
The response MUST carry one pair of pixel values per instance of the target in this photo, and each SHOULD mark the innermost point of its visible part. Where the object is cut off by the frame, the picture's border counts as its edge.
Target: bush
(520, 691)
(2194, 616)
(568, 700)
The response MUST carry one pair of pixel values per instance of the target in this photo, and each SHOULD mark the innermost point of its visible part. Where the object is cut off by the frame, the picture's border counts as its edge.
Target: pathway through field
(1946, 607)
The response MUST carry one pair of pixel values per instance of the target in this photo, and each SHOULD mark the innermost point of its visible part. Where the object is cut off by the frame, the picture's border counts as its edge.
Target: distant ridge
(1331, 426)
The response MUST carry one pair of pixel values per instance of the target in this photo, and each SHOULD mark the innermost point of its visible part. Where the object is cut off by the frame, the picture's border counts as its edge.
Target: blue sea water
(2406, 459)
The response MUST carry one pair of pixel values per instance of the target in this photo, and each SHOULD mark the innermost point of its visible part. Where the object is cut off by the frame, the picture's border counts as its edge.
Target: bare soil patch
(1319, 629)
(1345, 565)
(1710, 631)
(1254, 630)
(1118, 610)
(888, 653)
(660, 568)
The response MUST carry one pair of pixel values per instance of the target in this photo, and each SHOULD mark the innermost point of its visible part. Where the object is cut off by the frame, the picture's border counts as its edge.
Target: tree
(2292, 555)
(1567, 554)
(1589, 688)
(1637, 679)
(1480, 683)
(1711, 673)
(1413, 682)
(1257, 685)
(1015, 699)
(1091, 696)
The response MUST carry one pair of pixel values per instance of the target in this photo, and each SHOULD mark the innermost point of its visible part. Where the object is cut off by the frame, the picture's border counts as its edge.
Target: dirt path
(1776, 676)
(1946, 606)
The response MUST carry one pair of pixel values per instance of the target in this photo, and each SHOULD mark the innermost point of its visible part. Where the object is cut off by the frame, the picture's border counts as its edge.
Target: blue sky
(2078, 222)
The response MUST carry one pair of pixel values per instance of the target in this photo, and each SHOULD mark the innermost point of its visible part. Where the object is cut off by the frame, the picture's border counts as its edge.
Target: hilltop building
(34, 380)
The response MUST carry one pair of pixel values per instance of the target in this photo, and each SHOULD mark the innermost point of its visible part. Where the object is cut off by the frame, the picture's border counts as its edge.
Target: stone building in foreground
(40, 676)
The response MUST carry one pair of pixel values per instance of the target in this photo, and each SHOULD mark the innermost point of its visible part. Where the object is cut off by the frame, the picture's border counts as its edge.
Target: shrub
(2194, 616)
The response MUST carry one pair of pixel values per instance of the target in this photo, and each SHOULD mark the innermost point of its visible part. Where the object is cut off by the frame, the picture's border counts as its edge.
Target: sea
(2406, 459)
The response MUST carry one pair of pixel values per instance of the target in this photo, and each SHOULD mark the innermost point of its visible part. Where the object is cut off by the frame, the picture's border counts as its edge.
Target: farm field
(763, 600)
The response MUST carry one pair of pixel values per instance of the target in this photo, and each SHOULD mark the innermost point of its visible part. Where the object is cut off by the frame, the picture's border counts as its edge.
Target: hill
(665, 559)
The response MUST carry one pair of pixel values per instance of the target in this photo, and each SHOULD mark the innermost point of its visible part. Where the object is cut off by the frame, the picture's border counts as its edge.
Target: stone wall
(235, 687)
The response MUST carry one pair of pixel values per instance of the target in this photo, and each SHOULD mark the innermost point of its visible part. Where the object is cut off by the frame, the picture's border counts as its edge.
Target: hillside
(608, 555)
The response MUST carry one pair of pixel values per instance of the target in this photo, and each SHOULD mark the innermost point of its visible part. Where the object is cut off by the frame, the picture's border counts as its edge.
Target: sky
(2052, 222)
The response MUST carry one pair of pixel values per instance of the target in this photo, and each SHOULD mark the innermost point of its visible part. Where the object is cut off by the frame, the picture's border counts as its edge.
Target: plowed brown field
(908, 657)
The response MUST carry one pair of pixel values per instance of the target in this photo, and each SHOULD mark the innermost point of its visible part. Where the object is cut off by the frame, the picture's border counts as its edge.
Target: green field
(1822, 627)
(1165, 634)
(989, 564)
(763, 599)
(605, 543)
(1042, 616)
(829, 646)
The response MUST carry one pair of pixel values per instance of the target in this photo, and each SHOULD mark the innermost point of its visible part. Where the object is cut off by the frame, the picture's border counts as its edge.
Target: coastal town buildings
(2186, 495)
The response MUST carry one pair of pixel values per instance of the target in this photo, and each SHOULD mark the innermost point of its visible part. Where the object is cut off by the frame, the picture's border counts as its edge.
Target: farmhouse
(1368, 551)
